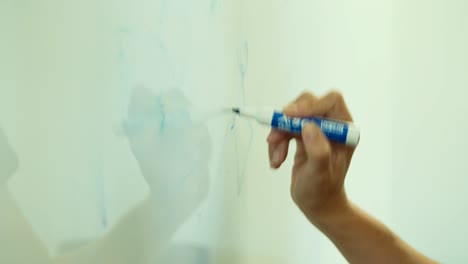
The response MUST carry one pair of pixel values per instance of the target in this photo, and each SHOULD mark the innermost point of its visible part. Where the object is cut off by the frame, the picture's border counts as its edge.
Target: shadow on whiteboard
(173, 154)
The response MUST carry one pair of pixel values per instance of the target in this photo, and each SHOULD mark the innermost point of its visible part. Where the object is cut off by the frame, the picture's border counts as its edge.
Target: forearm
(362, 239)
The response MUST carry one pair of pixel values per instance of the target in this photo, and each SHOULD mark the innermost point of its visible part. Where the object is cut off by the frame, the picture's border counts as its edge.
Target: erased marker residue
(159, 113)
(173, 153)
(213, 5)
(163, 136)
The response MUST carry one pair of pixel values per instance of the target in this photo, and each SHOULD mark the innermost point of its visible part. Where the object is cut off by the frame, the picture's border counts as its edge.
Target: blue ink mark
(158, 113)
(241, 172)
(162, 123)
(243, 57)
(213, 5)
(239, 181)
(184, 178)
(124, 30)
(243, 60)
(102, 191)
(161, 112)
(161, 45)
(234, 118)
(101, 188)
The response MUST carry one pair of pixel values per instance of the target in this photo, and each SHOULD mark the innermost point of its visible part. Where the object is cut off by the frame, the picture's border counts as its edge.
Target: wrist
(331, 213)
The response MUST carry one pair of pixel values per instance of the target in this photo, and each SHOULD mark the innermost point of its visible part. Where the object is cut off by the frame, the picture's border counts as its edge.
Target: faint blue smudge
(161, 113)
(213, 5)
(164, 114)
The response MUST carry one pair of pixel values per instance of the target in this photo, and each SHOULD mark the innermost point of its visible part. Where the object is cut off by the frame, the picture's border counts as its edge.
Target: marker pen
(337, 131)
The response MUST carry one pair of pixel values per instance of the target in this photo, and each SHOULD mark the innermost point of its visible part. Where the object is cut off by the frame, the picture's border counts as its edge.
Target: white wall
(429, 184)
(345, 46)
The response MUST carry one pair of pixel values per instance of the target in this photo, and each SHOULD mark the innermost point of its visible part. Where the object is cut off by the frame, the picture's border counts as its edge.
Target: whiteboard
(114, 165)
(113, 147)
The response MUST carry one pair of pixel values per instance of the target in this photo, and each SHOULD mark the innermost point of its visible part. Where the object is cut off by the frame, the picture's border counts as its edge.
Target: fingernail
(276, 158)
(274, 136)
(270, 137)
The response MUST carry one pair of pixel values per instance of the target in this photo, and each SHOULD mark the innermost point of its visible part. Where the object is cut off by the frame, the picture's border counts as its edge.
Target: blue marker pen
(337, 131)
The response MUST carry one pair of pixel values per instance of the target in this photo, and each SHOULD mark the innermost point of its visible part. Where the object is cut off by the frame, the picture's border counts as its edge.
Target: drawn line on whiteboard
(243, 61)
(101, 186)
(243, 57)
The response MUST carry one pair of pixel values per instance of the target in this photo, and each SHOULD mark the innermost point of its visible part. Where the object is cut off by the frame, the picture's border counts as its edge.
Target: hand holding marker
(337, 131)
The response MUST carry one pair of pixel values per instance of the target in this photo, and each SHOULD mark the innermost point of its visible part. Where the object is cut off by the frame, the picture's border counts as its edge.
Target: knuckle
(338, 106)
(306, 105)
(307, 96)
(307, 101)
(323, 155)
(321, 158)
(337, 96)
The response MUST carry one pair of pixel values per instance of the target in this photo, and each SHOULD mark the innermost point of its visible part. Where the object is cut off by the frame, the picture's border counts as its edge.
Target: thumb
(317, 147)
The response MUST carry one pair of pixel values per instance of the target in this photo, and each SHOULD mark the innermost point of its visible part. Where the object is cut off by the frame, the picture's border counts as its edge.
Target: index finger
(331, 106)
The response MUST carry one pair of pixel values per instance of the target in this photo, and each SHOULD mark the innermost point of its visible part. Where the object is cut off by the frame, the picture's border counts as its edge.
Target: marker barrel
(337, 131)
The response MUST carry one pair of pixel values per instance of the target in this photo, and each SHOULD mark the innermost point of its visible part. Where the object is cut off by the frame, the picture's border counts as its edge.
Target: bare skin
(317, 187)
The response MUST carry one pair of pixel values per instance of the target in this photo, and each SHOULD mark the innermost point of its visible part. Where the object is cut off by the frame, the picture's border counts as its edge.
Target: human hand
(320, 166)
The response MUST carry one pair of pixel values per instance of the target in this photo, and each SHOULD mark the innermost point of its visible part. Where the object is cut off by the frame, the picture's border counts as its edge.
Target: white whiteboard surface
(106, 162)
